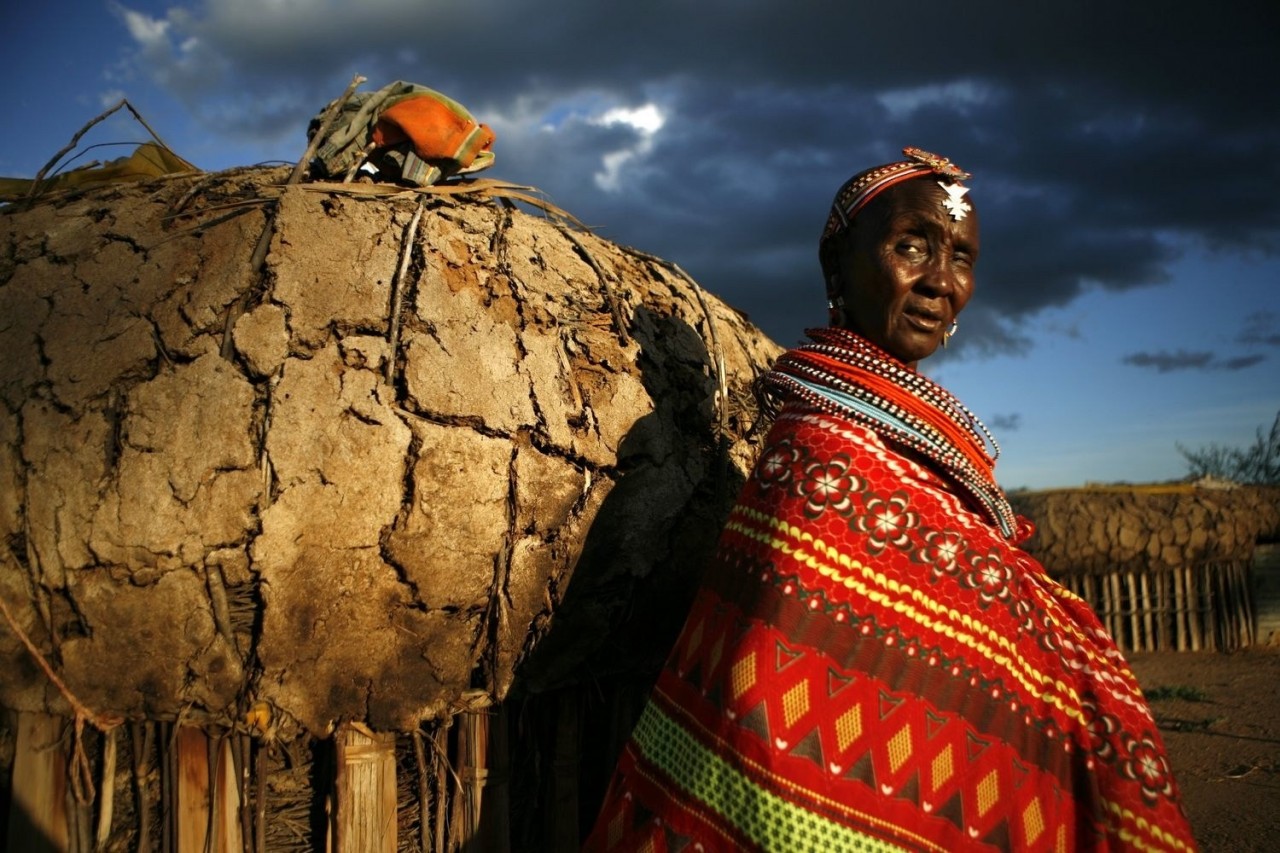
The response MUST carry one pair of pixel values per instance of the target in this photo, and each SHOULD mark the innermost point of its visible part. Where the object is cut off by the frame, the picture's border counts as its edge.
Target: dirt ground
(1220, 718)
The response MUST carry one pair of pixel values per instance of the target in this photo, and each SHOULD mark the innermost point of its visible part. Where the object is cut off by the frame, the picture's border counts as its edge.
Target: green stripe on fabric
(765, 818)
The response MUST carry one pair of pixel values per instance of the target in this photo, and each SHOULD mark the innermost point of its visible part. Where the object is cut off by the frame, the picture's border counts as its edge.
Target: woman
(872, 663)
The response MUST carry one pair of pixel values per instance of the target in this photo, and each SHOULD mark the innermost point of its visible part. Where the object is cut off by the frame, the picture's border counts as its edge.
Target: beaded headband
(858, 191)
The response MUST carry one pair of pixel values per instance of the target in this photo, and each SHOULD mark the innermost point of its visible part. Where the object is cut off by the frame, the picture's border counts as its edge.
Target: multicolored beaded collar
(858, 191)
(844, 375)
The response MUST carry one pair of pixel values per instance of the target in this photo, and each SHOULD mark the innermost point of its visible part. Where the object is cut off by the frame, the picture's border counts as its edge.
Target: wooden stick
(1135, 626)
(1179, 612)
(102, 116)
(397, 293)
(1191, 584)
(240, 746)
(259, 800)
(1147, 616)
(1116, 609)
(424, 793)
(611, 301)
(1249, 607)
(106, 803)
(141, 737)
(472, 767)
(441, 751)
(326, 122)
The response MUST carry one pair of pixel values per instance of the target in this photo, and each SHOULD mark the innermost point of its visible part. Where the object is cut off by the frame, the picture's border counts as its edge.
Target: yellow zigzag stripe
(763, 536)
(1167, 841)
(1037, 683)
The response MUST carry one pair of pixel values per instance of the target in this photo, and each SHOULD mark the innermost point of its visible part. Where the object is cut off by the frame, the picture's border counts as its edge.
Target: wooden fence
(1203, 607)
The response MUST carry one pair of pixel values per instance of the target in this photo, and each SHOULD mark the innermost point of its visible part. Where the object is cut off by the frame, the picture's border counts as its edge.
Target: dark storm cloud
(1168, 362)
(1006, 423)
(1102, 137)
(1261, 327)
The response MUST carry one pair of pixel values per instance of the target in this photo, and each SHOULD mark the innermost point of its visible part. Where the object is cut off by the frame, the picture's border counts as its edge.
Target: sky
(1125, 160)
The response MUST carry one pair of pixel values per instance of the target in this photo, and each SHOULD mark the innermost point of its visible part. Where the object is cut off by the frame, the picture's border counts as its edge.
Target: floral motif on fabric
(941, 550)
(990, 577)
(776, 467)
(886, 522)
(1144, 762)
(829, 485)
(1101, 729)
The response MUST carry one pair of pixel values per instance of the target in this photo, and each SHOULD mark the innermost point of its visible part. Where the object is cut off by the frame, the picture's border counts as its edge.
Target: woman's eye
(911, 249)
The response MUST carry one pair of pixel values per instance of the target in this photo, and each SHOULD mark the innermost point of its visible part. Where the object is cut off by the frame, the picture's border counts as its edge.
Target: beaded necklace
(844, 375)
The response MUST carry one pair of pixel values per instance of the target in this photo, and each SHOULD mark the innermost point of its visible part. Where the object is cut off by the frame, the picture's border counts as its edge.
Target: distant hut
(290, 522)
(1175, 566)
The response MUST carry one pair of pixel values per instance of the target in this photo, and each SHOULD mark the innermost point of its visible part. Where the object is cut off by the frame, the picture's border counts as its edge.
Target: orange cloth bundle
(437, 129)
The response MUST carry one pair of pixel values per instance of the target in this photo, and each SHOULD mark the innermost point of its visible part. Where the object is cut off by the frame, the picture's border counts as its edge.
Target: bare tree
(1258, 463)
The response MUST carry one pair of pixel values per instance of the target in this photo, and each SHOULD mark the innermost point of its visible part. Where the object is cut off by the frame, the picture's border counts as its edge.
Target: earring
(835, 311)
(951, 330)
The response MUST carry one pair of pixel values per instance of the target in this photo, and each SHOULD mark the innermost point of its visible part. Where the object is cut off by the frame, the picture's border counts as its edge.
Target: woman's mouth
(925, 321)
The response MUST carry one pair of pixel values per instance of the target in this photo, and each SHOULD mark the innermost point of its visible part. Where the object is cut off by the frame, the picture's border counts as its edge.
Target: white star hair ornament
(954, 202)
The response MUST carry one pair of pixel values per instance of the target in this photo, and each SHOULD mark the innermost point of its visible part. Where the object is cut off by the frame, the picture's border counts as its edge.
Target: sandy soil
(1220, 718)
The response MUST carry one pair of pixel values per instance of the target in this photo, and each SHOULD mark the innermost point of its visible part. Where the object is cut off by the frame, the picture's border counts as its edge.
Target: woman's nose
(938, 277)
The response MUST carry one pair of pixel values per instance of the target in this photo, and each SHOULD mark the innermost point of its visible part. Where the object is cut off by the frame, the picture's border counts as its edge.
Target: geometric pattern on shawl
(871, 665)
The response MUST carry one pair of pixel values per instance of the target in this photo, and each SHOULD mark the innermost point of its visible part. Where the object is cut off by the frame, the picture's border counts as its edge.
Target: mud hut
(1166, 566)
(342, 515)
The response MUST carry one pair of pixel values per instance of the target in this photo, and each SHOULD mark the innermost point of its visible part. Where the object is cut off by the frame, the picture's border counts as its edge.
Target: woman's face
(905, 269)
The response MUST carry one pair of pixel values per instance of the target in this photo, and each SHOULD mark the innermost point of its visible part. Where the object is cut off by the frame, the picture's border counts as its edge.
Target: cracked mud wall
(221, 485)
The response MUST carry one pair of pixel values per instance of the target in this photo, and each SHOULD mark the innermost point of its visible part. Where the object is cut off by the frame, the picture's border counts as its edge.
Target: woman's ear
(827, 257)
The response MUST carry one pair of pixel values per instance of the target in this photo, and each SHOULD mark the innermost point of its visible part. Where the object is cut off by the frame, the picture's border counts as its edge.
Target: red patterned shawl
(873, 665)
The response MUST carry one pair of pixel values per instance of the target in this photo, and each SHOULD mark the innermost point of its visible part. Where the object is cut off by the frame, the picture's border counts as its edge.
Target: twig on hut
(609, 298)
(359, 161)
(239, 761)
(439, 747)
(326, 122)
(216, 585)
(141, 736)
(397, 293)
(259, 800)
(424, 795)
(485, 188)
(259, 256)
(75, 140)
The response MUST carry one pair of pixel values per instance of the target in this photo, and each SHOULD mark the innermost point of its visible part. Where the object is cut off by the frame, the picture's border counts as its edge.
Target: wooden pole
(1135, 616)
(484, 825)
(107, 790)
(365, 788)
(227, 831)
(1167, 615)
(1244, 582)
(1116, 608)
(1192, 582)
(141, 739)
(191, 814)
(37, 810)
(1179, 608)
(441, 760)
(1148, 632)
(472, 768)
